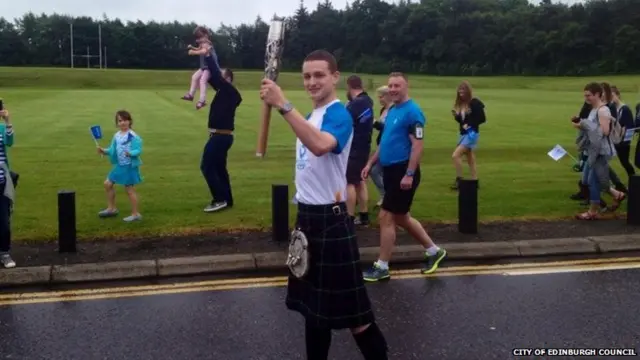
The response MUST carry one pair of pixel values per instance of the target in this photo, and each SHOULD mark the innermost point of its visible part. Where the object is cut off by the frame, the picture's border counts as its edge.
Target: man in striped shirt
(6, 190)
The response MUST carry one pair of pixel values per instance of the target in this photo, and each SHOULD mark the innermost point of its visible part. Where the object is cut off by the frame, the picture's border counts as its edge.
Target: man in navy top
(222, 113)
(399, 154)
(361, 109)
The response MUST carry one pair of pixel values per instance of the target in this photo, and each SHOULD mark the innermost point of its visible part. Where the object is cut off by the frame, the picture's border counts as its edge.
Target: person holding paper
(625, 118)
(595, 140)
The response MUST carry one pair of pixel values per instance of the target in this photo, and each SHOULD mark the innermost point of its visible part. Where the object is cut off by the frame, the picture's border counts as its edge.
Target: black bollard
(280, 212)
(468, 206)
(67, 221)
(633, 201)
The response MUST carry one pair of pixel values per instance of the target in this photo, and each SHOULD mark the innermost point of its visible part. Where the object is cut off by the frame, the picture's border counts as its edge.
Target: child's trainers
(107, 213)
(132, 218)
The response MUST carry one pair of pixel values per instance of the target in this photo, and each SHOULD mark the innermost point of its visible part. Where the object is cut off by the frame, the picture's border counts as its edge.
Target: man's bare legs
(388, 222)
(363, 200)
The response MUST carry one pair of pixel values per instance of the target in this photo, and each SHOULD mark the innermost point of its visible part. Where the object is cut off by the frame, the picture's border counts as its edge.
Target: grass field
(52, 110)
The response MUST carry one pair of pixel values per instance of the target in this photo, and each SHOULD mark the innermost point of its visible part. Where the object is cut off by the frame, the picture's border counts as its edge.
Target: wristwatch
(287, 107)
(410, 172)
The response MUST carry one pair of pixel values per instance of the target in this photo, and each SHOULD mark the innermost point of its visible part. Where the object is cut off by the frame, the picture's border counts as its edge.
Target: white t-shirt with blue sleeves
(319, 179)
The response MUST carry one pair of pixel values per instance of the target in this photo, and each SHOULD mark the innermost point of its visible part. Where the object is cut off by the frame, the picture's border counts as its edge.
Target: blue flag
(96, 132)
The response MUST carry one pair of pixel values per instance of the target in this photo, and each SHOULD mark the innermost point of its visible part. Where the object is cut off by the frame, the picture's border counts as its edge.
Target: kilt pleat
(333, 293)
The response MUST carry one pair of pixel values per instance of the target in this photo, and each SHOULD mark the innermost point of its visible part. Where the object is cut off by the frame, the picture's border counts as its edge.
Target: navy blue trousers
(214, 167)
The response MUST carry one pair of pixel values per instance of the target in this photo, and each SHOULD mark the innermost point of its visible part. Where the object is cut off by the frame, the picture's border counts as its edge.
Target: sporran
(298, 257)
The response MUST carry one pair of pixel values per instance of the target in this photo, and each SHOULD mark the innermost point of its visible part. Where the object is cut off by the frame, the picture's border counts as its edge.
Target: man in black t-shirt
(360, 107)
(222, 113)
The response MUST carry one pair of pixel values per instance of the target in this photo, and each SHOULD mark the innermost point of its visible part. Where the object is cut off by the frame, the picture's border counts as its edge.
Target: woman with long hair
(594, 140)
(625, 118)
(607, 99)
(468, 111)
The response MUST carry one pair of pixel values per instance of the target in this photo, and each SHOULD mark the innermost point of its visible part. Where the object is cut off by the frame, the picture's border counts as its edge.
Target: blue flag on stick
(96, 132)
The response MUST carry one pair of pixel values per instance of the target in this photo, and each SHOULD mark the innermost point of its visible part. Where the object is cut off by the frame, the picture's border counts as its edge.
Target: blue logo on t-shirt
(303, 158)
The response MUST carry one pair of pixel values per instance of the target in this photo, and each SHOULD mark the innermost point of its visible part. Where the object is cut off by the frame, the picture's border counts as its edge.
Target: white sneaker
(217, 206)
(132, 218)
(7, 261)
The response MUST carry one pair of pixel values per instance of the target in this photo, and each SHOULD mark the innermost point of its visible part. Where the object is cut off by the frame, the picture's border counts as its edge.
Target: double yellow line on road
(260, 282)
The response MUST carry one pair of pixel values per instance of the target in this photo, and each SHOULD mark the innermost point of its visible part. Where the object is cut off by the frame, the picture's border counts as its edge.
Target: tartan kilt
(333, 293)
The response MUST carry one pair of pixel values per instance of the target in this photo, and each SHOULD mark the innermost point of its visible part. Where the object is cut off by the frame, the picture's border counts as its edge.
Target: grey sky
(232, 12)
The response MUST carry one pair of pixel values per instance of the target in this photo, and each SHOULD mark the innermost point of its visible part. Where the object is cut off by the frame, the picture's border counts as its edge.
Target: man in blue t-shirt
(399, 154)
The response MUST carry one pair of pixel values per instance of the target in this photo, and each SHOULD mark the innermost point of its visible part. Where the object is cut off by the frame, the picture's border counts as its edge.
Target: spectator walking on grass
(625, 118)
(607, 98)
(6, 189)
(594, 139)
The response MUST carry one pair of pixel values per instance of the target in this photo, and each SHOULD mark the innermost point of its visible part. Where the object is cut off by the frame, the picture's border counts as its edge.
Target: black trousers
(214, 167)
(624, 150)
(5, 221)
(637, 156)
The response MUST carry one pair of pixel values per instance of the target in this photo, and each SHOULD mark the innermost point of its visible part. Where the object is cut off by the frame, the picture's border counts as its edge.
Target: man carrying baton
(332, 294)
(222, 113)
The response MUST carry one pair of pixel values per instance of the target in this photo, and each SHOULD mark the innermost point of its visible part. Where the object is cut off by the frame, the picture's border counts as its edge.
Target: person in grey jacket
(594, 140)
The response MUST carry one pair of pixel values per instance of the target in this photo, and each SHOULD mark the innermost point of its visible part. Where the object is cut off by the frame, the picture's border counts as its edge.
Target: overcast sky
(200, 11)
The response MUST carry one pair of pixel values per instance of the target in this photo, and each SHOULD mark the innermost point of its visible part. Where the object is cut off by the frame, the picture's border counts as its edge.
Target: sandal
(617, 201)
(587, 215)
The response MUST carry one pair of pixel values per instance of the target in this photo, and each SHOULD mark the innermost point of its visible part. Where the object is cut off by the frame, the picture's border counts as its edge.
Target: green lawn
(53, 109)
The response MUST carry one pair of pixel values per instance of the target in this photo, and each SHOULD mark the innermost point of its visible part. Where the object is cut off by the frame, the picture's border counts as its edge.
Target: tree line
(438, 37)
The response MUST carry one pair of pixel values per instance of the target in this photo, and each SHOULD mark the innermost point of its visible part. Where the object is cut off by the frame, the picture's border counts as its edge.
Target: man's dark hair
(594, 88)
(228, 73)
(354, 82)
(323, 55)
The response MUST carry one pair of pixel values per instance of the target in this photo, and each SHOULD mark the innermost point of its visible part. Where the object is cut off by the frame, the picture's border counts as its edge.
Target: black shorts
(396, 200)
(355, 164)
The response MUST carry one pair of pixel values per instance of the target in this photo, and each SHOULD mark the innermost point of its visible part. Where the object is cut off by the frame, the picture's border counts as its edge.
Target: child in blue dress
(124, 153)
